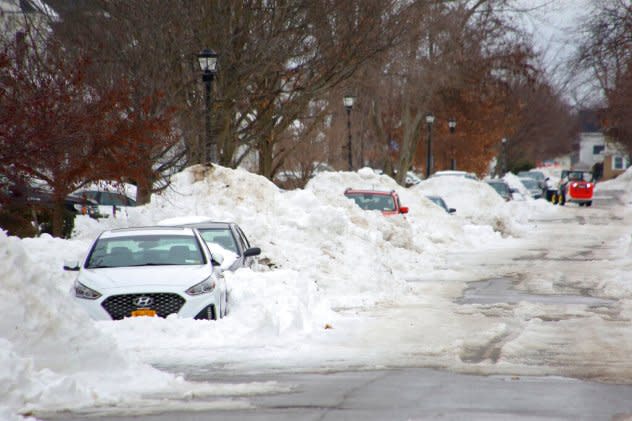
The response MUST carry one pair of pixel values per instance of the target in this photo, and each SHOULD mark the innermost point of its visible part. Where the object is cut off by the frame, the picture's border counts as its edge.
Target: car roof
(151, 230)
(384, 192)
(209, 225)
(455, 173)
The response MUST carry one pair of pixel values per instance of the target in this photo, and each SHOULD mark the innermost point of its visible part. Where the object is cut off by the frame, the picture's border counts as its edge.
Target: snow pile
(316, 231)
(514, 182)
(320, 253)
(51, 355)
(622, 182)
(529, 207)
(474, 200)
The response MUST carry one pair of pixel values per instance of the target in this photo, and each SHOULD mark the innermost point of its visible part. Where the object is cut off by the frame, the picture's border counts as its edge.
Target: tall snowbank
(320, 252)
(475, 201)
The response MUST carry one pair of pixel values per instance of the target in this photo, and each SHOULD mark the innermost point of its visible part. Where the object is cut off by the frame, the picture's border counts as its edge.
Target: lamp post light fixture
(348, 101)
(208, 64)
(452, 126)
(429, 120)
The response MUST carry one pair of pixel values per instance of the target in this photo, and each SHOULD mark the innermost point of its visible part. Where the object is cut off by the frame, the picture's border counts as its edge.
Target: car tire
(589, 203)
(561, 199)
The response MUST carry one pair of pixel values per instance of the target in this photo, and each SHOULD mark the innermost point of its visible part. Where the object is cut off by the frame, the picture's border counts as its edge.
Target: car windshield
(529, 183)
(220, 236)
(501, 188)
(438, 201)
(580, 176)
(373, 201)
(145, 250)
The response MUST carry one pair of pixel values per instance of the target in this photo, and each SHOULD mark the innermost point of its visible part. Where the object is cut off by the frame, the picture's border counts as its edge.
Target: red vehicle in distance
(386, 202)
(575, 187)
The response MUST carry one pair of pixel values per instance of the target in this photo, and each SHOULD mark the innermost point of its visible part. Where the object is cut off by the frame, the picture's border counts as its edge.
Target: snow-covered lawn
(340, 287)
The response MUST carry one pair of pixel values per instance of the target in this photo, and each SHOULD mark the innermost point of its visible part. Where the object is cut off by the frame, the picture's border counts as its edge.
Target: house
(596, 151)
(616, 160)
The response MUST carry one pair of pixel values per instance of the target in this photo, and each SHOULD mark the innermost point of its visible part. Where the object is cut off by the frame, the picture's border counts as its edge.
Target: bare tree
(606, 52)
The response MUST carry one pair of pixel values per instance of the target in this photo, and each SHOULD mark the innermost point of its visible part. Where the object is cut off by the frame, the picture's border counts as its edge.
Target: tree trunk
(410, 139)
(143, 190)
(265, 156)
(57, 222)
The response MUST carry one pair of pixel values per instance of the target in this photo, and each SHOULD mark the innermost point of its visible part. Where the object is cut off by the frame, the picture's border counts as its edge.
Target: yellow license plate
(146, 312)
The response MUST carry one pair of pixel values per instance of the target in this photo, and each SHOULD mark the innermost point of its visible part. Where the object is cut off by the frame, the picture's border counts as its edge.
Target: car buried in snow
(384, 201)
(502, 188)
(532, 186)
(438, 200)
(225, 239)
(149, 271)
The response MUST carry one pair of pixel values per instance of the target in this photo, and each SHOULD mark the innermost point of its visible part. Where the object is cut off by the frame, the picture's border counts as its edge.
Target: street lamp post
(452, 126)
(208, 63)
(429, 120)
(348, 103)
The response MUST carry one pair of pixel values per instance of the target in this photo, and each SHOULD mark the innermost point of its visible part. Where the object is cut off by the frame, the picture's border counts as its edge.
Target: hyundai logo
(143, 301)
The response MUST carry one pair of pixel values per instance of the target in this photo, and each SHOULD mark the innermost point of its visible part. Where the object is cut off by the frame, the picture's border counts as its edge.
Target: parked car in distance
(386, 202)
(438, 200)
(539, 178)
(236, 250)
(502, 188)
(454, 173)
(149, 271)
(109, 203)
(532, 187)
(412, 179)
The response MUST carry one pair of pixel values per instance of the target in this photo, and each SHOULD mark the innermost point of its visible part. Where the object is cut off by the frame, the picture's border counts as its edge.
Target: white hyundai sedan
(150, 271)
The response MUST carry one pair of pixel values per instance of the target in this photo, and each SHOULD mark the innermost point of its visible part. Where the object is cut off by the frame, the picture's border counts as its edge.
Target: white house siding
(589, 143)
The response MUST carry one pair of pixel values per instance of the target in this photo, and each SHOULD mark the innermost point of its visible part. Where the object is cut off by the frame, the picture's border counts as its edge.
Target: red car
(386, 202)
(576, 186)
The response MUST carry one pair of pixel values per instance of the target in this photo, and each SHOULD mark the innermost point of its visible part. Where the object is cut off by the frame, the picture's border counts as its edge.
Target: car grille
(120, 306)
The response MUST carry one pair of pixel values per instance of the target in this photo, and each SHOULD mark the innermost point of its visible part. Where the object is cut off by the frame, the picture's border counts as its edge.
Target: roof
(589, 121)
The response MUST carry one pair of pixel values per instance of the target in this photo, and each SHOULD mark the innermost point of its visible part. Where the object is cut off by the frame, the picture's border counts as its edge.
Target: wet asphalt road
(418, 393)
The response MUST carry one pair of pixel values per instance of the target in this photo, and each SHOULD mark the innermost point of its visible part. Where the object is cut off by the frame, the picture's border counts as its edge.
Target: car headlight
(203, 287)
(574, 184)
(82, 291)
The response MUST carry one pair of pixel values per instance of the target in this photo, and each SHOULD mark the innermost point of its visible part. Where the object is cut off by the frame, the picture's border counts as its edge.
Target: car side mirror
(252, 251)
(451, 210)
(71, 265)
(403, 209)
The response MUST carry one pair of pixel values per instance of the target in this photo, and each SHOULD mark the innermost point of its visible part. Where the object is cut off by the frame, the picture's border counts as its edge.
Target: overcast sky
(555, 25)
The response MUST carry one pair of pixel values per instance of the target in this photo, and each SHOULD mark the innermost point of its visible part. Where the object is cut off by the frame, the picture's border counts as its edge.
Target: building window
(618, 163)
(598, 149)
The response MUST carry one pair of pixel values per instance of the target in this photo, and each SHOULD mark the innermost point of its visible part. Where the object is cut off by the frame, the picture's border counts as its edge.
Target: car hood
(179, 277)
